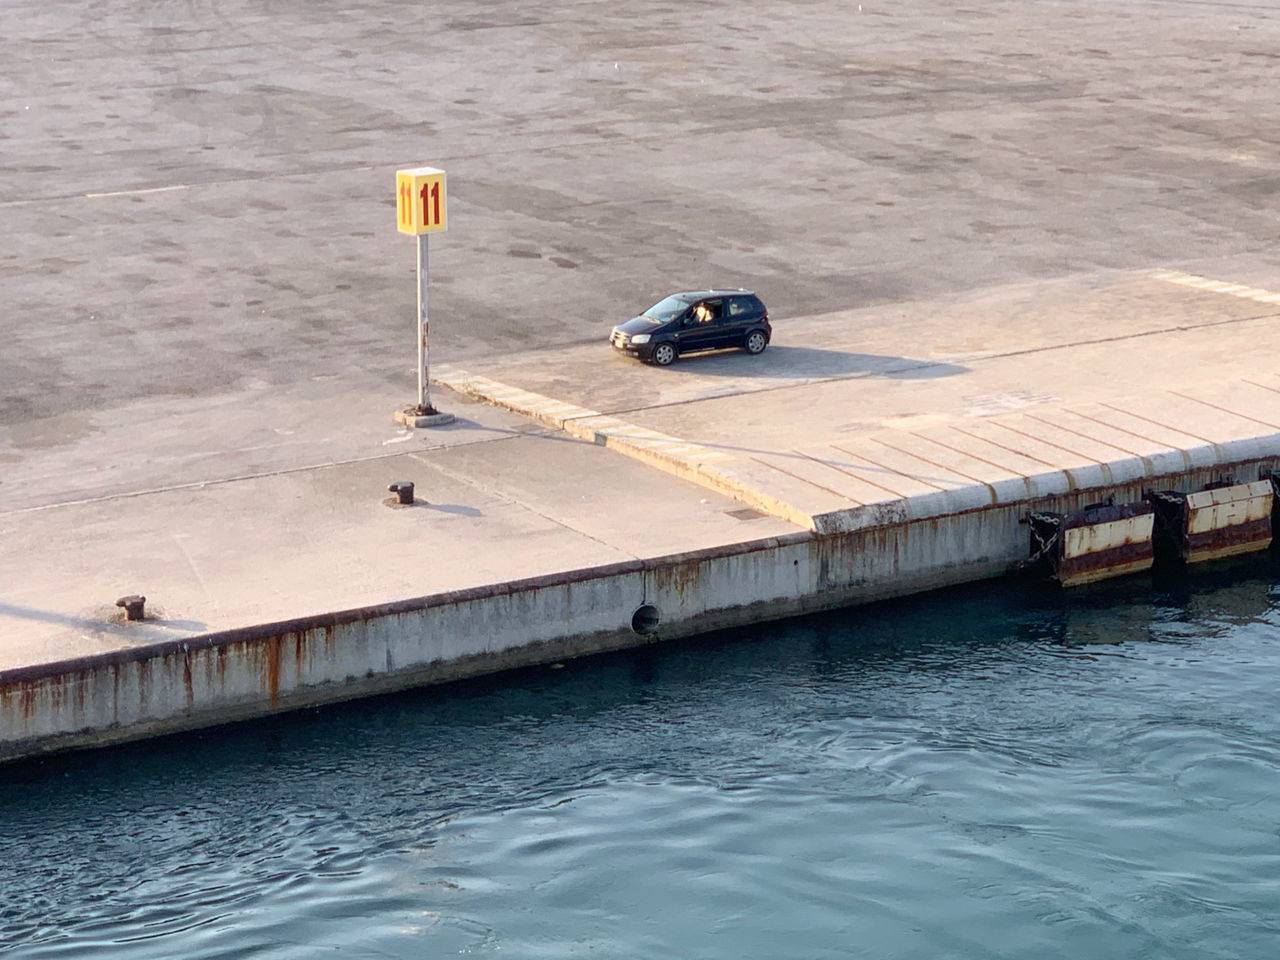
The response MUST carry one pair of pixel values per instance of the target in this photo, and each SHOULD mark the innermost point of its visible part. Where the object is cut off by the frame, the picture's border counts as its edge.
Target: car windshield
(666, 309)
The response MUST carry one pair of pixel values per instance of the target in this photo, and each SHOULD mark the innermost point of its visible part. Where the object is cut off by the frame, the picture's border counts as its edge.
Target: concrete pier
(724, 490)
(1018, 260)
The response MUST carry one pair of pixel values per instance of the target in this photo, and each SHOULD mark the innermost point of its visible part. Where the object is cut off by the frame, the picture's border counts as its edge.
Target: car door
(695, 333)
(739, 317)
(723, 330)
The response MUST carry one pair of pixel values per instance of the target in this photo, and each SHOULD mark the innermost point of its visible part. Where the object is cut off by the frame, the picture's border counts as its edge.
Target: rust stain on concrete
(271, 668)
(186, 679)
(680, 577)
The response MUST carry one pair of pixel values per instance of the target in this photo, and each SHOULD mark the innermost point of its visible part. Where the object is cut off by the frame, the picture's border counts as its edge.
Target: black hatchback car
(698, 320)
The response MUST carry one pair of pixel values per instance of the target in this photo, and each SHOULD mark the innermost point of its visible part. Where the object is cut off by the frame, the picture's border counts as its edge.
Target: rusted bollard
(403, 489)
(132, 607)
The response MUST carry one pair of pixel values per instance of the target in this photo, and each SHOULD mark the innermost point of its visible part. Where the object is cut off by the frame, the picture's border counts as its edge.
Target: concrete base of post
(415, 417)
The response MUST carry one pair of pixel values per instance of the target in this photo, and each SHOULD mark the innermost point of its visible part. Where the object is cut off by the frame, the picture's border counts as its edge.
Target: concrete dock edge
(237, 674)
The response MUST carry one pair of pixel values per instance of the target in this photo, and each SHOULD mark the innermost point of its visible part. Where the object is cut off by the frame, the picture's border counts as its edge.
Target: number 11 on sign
(429, 212)
(420, 200)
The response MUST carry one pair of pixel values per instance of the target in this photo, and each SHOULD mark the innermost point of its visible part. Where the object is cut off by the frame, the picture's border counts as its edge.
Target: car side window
(737, 307)
(715, 308)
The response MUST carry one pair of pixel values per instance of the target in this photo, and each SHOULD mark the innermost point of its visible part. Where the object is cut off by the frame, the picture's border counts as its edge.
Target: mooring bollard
(132, 607)
(402, 489)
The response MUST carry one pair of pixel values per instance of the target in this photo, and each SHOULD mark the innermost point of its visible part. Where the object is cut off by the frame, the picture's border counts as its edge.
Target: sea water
(995, 771)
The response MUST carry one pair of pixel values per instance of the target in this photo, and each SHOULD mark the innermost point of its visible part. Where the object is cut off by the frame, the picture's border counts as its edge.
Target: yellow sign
(420, 200)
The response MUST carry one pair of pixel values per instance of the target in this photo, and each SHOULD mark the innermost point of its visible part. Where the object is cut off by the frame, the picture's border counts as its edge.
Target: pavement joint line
(1030, 351)
(1088, 436)
(1243, 291)
(508, 498)
(893, 494)
(885, 469)
(1053, 443)
(923, 459)
(1154, 423)
(1222, 409)
(1262, 386)
(674, 455)
(959, 428)
(693, 462)
(863, 455)
(974, 456)
(217, 481)
(475, 385)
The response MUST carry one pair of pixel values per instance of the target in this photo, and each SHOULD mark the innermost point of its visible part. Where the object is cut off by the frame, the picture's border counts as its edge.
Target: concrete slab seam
(679, 457)
(1222, 409)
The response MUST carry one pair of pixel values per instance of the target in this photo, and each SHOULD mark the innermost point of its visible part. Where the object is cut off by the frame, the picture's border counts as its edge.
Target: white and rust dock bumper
(1222, 521)
(1099, 542)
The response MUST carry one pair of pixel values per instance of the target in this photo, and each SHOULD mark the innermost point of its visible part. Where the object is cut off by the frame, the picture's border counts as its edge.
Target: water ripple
(988, 772)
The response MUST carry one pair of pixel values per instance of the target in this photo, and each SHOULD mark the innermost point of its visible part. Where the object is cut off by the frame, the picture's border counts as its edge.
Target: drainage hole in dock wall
(646, 619)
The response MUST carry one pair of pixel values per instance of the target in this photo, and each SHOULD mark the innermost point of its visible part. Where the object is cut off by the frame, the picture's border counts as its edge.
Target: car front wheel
(755, 342)
(663, 354)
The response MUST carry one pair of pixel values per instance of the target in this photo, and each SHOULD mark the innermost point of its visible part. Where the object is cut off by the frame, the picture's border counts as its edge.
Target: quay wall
(255, 671)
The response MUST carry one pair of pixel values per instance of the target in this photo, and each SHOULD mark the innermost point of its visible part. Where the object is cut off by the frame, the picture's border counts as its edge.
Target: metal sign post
(424, 400)
(421, 210)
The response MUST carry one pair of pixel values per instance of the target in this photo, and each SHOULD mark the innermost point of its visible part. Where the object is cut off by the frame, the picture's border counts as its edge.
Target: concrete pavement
(314, 533)
(1020, 382)
(1010, 251)
(610, 460)
(199, 203)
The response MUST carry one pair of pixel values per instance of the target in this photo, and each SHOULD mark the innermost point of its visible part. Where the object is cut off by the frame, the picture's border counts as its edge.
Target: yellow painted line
(1243, 291)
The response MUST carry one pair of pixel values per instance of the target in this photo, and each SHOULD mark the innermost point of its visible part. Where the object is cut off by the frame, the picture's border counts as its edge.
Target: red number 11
(431, 191)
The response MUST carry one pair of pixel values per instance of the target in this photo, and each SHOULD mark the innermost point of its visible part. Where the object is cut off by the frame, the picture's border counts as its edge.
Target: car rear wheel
(756, 342)
(663, 354)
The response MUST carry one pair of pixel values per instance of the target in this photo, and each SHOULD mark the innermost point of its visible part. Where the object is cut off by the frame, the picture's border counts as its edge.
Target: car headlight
(640, 338)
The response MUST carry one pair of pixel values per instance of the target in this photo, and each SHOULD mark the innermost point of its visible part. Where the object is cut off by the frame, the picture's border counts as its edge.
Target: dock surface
(1013, 244)
(717, 449)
